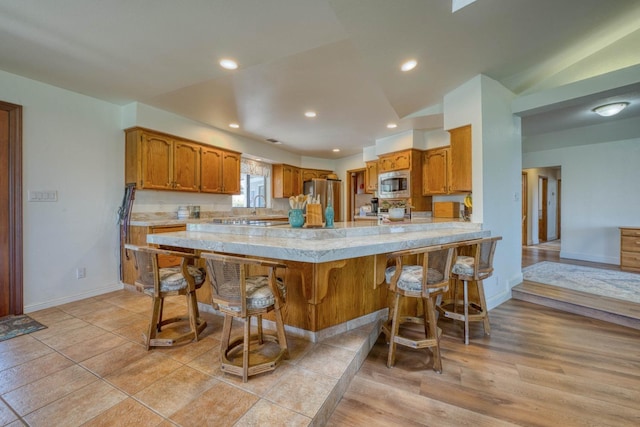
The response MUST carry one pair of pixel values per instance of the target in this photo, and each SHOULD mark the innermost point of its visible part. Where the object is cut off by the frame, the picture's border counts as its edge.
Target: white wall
(72, 144)
(496, 158)
(599, 188)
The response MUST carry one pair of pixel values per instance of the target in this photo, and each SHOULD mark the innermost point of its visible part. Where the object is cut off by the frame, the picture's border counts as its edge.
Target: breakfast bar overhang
(334, 277)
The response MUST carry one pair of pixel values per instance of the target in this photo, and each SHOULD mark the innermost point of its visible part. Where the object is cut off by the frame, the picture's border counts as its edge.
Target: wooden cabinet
(396, 161)
(309, 174)
(460, 163)
(286, 181)
(371, 177)
(630, 249)
(156, 161)
(435, 171)
(220, 171)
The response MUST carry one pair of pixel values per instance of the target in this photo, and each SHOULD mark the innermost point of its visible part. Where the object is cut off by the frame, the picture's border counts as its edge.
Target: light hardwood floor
(539, 367)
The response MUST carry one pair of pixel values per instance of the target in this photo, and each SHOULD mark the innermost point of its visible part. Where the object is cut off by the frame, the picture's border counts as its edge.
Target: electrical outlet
(81, 273)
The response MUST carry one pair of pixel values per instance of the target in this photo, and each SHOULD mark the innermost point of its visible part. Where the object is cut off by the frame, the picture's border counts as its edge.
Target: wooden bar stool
(426, 278)
(475, 267)
(239, 293)
(161, 282)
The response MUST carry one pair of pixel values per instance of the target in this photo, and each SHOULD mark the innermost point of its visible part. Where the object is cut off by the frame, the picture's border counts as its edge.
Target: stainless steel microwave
(394, 185)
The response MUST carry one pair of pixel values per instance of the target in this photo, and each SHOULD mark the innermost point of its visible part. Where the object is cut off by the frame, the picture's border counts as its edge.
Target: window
(254, 178)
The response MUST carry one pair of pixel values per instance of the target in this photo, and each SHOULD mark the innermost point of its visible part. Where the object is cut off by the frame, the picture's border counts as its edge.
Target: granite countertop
(316, 245)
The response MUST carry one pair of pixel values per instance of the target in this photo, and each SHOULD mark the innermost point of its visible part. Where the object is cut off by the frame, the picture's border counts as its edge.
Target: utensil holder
(314, 215)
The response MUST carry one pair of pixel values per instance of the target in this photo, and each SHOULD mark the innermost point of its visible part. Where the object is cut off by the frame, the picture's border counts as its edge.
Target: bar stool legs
(474, 269)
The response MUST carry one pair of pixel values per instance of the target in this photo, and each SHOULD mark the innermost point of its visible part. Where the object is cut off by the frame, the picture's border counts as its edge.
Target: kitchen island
(334, 276)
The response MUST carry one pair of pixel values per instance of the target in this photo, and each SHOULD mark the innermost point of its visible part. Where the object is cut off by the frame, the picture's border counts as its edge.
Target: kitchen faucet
(255, 208)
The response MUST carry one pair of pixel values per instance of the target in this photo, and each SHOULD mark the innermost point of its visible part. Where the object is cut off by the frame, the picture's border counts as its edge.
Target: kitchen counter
(334, 277)
(317, 245)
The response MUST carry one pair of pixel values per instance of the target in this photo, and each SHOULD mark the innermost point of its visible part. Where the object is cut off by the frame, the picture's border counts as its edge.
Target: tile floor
(90, 368)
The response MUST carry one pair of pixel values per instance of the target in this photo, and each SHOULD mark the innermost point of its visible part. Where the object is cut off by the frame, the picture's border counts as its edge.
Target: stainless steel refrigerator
(320, 187)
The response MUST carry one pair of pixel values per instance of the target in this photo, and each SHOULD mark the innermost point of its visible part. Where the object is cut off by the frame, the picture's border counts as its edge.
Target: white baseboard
(587, 257)
(71, 298)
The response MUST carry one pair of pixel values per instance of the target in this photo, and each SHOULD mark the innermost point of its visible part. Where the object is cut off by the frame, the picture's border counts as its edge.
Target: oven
(394, 185)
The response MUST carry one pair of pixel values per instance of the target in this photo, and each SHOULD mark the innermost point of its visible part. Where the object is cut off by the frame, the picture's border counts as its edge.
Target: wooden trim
(15, 207)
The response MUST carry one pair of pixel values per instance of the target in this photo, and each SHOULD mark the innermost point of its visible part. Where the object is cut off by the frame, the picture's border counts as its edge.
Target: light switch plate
(42, 196)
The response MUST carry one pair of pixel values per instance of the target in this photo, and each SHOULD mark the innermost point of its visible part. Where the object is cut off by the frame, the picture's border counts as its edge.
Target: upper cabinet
(447, 170)
(396, 161)
(160, 162)
(286, 181)
(220, 171)
(157, 161)
(371, 177)
(309, 174)
(435, 171)
(461, 177)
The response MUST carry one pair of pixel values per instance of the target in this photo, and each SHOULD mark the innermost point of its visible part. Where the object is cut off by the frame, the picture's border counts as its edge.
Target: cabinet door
(460, 163)
(371, 177)
(395, 161)
(309, 174)
(435, 171)
(157, 162)
(186, 166)
(230, 172)
(211, 170)
(296, 182)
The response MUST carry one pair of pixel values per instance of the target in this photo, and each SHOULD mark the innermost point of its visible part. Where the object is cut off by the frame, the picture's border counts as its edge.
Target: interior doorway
(10, 209)
(543, 185)
(525, 208)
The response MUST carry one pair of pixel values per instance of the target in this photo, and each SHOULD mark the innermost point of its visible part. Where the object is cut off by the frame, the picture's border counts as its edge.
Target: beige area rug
(598, 281)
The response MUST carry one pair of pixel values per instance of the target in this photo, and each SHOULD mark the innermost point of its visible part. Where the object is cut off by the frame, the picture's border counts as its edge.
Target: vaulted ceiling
(340, 58)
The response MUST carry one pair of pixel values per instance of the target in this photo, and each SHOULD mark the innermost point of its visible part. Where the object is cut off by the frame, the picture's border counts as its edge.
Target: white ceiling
(340, 58)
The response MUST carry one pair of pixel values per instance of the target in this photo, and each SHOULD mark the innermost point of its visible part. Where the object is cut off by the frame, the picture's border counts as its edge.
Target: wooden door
(230, 172)
(542, 208)
(157, 162)
(559, 209)
(10, 209)
(460, 152)
(525, 208)
(186, 166)
(435, 172)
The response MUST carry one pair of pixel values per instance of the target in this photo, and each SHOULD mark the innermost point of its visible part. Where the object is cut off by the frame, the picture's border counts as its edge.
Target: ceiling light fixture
(610, 109)
(228, 64)
(392, 126)
(234, 125)
(310, 114)
(409, 65)
(336, 150)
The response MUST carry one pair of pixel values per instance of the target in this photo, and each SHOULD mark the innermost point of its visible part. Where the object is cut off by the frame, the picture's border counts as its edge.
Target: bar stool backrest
(227, 275)
(482, 251)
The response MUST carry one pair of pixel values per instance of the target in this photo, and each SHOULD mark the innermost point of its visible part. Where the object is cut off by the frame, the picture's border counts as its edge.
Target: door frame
(14, 206)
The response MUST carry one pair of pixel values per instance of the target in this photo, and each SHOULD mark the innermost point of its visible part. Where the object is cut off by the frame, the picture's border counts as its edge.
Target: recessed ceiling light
(229, 64)
(392, 126)
(610, 109)
(409, 65)
(274, 141)
(234, 125)
(310, 114)
(336, 150)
